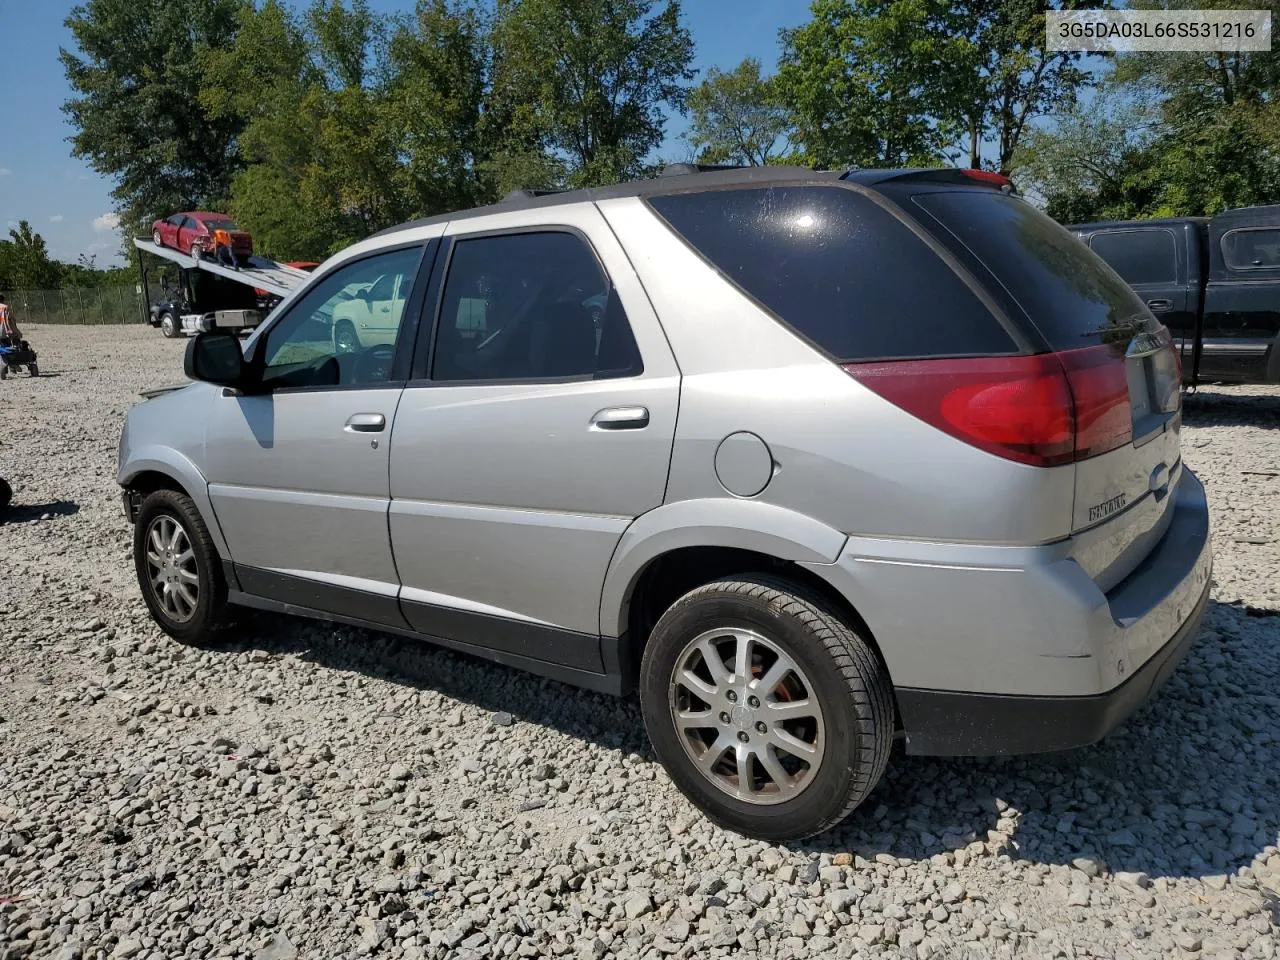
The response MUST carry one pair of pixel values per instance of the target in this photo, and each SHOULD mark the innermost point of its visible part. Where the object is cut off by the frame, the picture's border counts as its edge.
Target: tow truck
(210, 295)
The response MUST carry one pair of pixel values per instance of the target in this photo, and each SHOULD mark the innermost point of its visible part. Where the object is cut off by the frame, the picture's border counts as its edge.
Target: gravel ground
(315, 791)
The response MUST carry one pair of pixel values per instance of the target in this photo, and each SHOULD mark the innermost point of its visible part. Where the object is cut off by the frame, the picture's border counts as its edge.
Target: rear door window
(1139, 256)
(1251, 249)
(1066, 290)
(838, 269)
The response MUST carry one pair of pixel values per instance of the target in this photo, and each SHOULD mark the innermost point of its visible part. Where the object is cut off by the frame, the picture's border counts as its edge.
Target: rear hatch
(1119, 362)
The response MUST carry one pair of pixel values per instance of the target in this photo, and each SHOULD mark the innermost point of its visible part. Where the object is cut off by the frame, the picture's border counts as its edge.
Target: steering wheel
(374, 364)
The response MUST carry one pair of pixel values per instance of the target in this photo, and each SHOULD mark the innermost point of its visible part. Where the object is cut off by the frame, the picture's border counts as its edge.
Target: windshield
(1065, 289)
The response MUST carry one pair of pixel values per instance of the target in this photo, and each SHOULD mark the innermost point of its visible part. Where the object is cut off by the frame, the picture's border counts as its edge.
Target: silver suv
(817, 462)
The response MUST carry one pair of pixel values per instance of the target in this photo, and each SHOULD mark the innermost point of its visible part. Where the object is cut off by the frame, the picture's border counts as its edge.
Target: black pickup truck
(1214, 281)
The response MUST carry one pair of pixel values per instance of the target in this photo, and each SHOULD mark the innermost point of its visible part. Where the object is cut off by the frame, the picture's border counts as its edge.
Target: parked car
(192, 234)
(850, 459)
(1212, 281)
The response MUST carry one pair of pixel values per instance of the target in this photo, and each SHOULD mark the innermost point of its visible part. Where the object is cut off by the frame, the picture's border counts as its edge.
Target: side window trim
(421, 373)
(409, 324)
(1234, 265)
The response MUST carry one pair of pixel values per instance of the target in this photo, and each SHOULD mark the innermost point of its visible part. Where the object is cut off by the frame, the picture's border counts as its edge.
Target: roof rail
(528, 193)
(684, 169)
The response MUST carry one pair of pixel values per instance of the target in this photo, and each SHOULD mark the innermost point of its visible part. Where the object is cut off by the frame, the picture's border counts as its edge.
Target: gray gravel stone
(310, 789)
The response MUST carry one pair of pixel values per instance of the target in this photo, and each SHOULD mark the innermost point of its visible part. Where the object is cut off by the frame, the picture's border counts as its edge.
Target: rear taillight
(1043, 410)
(987, 176)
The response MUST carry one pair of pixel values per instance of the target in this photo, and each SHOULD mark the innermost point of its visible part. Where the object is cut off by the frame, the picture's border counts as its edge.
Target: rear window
(838, 269)
(1066, 290)
(1140, 256)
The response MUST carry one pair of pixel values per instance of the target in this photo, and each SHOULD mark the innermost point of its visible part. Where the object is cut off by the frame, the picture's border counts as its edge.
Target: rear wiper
(1125, 326)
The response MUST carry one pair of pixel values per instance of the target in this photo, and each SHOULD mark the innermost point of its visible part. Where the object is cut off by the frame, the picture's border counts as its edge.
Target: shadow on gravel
(1189, 786)
(1207, 408)
(30, 513)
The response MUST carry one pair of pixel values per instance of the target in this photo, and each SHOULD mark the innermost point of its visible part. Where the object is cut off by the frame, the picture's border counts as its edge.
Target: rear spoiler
(966, 176)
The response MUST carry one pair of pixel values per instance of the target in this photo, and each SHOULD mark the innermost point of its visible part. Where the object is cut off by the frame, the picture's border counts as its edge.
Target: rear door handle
(1160, 306)
(366, 423)
(621, 418)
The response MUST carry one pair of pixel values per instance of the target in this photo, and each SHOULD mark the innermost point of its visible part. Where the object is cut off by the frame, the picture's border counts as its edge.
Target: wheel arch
(674, 549)
(158, 468)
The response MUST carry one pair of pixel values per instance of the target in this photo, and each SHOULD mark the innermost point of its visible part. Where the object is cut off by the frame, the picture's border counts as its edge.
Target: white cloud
(5, 171)
(106, 223)
(57, 218)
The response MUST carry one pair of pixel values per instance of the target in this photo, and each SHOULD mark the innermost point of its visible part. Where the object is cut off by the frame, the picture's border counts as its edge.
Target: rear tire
(196, 252)
(178, 568)
(33, 369)
(810, 721)
(6, 493)
(4, 371)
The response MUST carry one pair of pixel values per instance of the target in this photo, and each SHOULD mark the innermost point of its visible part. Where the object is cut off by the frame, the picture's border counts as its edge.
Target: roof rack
(684, 169)
(529, 193)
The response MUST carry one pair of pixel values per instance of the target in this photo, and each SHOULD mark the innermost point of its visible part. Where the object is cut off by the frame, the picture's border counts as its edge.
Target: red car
(192, 233)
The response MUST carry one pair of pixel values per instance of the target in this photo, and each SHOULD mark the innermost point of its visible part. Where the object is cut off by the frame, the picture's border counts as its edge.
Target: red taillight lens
(986, 176)
(1100, 392)
(1042, 410)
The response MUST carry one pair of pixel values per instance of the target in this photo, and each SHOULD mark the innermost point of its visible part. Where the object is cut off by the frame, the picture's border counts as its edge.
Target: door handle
(621, 418)
(1160, 306)
(366, 423)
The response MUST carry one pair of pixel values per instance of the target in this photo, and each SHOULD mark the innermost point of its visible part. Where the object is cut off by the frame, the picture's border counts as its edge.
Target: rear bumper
(996, 650)
(940, 723)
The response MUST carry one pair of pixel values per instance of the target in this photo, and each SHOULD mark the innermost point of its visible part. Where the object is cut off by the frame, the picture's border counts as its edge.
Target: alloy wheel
(171, 568)
(747, 716)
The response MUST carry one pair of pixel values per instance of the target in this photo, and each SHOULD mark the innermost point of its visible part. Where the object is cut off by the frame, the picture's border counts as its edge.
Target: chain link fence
(93, 305)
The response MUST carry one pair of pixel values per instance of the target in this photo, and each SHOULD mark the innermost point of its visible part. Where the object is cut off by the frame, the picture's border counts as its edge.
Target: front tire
(769, 712)
(168, 325)
(156, 238)
(178, 568)
(6, 493)
(33, 369)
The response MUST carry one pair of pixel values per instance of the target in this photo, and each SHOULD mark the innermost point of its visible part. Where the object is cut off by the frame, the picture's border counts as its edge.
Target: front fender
(177, 467)
(721, 522)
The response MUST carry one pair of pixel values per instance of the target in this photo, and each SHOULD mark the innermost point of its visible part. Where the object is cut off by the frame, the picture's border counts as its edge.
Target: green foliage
(25, 261)
(588, 80)
(137, 110)
(1172, 134)
(922, 82)
(862, 83)
(737, 117)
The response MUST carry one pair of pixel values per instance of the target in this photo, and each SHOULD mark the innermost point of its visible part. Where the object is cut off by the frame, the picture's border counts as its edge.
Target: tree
(1094, 162)
(999, 74)
(737, 117)
(137, 112)
(25, 261)
(1174, 134)
(862, 80)
(435, 99)
(590, 80)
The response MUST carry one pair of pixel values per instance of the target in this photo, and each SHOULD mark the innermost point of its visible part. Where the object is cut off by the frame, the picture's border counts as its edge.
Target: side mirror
(216, 357)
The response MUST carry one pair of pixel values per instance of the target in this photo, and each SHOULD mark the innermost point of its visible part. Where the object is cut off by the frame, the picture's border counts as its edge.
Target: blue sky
(70, 205)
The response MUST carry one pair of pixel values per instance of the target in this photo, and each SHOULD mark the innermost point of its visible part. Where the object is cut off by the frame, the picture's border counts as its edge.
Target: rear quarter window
(1067, 291)
(838, 269)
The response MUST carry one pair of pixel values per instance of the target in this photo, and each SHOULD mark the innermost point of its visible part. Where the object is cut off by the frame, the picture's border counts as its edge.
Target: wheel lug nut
(724, 717)
(743, 736)
(753, 701)
(731, 697)
(761, 728)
